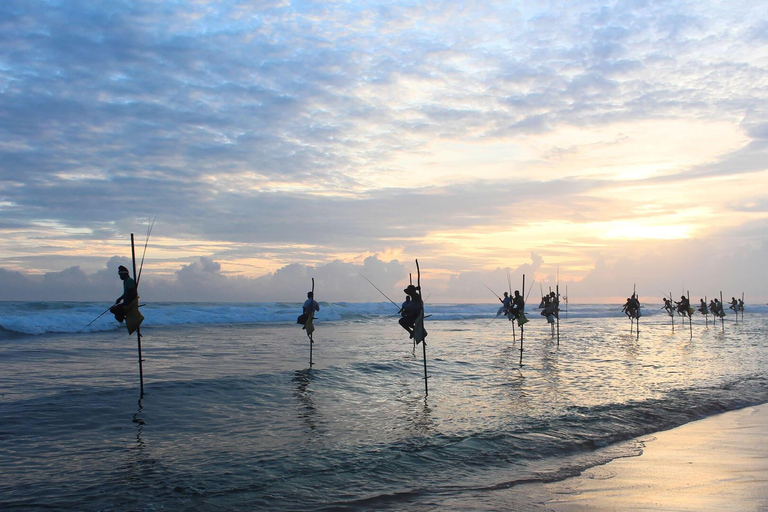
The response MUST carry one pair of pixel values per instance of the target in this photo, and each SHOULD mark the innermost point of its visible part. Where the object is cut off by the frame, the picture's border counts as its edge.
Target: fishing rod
(146, 243)
(92, 321)
(492, 319)
(381, 292)
(493, 292)
(530, 288)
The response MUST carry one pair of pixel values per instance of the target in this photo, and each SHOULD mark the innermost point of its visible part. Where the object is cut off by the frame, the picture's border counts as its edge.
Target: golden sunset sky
(598, 145)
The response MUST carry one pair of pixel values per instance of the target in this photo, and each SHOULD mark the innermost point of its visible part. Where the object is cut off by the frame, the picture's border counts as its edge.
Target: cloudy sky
(601, 143)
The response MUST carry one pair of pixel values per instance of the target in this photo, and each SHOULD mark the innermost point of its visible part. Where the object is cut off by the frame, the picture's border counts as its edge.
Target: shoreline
(713, 464)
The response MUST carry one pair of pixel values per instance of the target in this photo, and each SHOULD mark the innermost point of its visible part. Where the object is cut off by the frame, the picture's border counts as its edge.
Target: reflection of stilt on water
(138, 419)
(550, 364)
(417, 413)
(308, 412)
(140, 463)
(516, 389)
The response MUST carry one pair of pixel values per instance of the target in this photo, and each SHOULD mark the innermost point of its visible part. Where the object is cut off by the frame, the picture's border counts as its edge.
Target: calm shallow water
(233, 419)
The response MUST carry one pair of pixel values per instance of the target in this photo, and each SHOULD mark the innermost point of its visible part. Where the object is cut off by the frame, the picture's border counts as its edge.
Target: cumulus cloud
(203, 281)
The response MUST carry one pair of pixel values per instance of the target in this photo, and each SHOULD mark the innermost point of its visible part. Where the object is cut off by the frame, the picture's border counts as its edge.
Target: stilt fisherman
(128, 296)
(411, 309)
(506, 304)
(703, 307)
(518, 307)
(308, 309)
(684, 306)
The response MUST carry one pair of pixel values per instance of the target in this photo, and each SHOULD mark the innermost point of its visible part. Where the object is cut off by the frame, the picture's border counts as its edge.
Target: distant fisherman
(734, 304)
(411, 309)
(551, 306)
(684, 306)
(544, 305)
(506, 304)
(309, 307)
(716, 308)
(668, 306)
(128, 296)
(517, 310)
(626, 306)
(632, 307)
(703, 307)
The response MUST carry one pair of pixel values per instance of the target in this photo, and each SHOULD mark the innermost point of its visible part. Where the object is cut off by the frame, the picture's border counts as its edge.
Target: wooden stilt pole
(557, 311)
(511, 297)
(551, 325)
(522, 327)
(637, 313)
(671, 314)
(423, 341)
(410, 281)
(690, 316)
(311, 319)
(138, 330)
(632, 320)
(706, 315)
(722, 311)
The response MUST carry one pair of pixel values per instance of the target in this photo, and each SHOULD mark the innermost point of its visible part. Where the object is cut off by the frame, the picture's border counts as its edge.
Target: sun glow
(621, 151)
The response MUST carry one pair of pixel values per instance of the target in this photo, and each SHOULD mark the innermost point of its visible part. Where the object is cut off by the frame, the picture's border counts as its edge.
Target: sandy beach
(715, 464)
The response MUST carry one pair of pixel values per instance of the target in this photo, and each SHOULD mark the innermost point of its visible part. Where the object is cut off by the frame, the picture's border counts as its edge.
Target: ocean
(233, 417)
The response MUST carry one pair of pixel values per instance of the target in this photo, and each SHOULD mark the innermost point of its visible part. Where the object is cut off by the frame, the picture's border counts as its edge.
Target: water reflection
(416, 411)
(308, 411)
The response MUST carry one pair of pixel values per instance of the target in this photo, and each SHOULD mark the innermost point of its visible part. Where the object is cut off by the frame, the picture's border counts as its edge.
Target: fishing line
(381, 292)
(146, 243)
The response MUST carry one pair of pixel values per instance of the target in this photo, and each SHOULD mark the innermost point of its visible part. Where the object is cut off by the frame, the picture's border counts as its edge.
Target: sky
(598, 146)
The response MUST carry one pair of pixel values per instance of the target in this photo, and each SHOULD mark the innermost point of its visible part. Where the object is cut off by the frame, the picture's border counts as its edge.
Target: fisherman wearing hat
(129, 294)
(411, 309)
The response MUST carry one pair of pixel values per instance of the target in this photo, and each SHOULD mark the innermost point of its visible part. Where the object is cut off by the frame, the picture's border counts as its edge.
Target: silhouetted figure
(309, 308)
(128, 296)
(411, 309)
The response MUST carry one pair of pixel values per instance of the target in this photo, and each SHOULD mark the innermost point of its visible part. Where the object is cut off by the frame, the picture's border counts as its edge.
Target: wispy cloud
(313, 132)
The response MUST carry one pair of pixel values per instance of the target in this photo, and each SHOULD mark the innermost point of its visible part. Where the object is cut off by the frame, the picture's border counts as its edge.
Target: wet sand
(715, 464)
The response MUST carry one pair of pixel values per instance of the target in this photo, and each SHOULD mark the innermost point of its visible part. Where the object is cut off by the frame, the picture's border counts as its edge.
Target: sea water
(234, 418)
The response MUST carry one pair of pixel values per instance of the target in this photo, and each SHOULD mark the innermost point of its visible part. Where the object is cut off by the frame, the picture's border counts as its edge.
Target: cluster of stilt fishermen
(715, 307)
(412, 310)
(684, 309)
